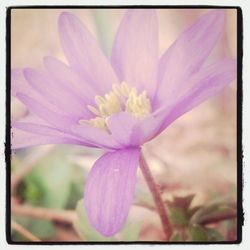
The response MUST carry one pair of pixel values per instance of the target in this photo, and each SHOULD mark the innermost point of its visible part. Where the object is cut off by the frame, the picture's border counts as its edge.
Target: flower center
(121, 98)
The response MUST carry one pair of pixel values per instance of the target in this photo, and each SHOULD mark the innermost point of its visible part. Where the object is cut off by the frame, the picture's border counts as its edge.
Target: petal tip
(27, 73)
(64, 15)
(66, 18)
(20, 96)
(217, 16)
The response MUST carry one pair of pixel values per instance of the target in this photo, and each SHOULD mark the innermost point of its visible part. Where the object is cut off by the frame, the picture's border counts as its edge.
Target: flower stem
(157, 197)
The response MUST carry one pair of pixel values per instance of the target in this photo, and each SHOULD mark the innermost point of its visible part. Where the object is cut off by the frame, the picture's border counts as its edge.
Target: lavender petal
(110, 189)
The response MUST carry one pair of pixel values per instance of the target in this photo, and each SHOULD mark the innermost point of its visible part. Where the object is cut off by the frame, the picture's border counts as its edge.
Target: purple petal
(70, 80)
(34, 125)
(84, 54)
(22, 139)
(207, 83)
(187, 54)
(110, 189)
(57, 94)
(31, 118)
(18, 82)
(135, 50)
(56, 120)
(85, 133)
(95, 136)
(20, 85)
(39, 129)
(125, 129)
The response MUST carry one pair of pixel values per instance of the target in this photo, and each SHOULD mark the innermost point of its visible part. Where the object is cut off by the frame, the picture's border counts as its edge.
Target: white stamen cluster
(120, 98)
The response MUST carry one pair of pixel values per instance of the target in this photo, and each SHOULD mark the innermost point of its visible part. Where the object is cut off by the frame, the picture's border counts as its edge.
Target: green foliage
(52, 182)
(176, 236)
(76, 186)
(178, 216)
(189, 223)
(214, 235)
(179, 210)
(57, 183)
(200, 233)
(210, 211)
(197, 233)
(51, 179)
(42, 229)
(33, 189)
(131, 231)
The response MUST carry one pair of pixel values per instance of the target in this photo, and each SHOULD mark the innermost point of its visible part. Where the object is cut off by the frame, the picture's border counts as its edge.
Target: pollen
(122, 98)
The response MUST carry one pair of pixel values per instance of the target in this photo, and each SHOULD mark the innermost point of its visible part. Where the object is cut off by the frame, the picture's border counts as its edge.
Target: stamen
(99, 100)
(120, 98)
(93, 110)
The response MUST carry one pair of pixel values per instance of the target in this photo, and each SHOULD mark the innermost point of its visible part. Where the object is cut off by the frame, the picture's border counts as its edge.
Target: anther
(120, 98)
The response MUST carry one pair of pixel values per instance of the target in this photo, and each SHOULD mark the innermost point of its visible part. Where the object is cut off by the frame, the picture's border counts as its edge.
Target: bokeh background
(193, 161)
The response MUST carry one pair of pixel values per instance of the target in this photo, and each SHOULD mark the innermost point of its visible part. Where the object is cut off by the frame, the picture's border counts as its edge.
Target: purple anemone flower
(117, 105)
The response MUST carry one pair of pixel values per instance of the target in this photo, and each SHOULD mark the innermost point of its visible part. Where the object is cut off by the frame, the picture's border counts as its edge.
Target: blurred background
(193, 161)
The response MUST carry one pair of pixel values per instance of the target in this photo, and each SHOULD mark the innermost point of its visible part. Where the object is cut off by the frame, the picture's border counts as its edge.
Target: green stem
(167, 228)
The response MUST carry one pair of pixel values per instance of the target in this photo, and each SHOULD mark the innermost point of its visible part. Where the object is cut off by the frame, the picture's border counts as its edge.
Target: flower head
(117, 105)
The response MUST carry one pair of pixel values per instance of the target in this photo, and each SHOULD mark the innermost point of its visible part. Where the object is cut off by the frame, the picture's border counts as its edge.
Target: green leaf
(197, 233)
(33, 189)
(76, 187)
(178, 216)
(211, 211)
(193, 210)
(49, 182)
(214, 235)
(179, 209)
(176, 236)
(42, 229)
(131, 232)
(84, 229)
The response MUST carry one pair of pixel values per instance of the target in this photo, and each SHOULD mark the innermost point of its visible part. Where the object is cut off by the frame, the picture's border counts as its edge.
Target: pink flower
(119, 105)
